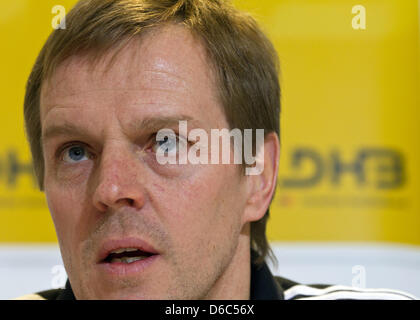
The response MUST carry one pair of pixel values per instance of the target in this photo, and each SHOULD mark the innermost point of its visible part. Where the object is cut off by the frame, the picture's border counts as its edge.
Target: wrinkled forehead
(166, 58)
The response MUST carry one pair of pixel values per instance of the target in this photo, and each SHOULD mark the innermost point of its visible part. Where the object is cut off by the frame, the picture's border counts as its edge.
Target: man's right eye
(75, 154)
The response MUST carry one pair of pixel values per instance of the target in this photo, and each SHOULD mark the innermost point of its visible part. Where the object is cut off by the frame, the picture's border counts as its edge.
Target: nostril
(112, 195)
(127, 201)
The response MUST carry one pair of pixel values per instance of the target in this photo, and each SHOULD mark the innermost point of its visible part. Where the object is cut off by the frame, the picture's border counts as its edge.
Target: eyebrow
(146, 125)
(156, 123)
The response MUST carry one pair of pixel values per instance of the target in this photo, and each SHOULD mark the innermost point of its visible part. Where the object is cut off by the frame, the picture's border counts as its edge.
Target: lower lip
(127, 269)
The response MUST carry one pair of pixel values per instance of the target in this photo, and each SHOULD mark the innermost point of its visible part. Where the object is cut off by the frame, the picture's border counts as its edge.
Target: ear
(261, 186)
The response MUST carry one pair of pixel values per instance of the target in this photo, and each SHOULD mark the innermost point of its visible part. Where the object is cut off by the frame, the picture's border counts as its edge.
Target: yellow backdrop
(350, 121)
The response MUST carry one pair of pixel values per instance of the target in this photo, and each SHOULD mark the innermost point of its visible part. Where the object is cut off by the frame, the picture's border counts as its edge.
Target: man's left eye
(75, 154)
(169, 144)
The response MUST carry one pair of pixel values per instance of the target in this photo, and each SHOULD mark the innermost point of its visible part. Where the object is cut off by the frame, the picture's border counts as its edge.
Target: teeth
(127, 259)
(124, 250)
(132, 259)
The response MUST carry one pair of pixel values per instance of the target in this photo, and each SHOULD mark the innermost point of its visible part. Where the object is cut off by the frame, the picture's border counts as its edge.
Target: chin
(123, 293)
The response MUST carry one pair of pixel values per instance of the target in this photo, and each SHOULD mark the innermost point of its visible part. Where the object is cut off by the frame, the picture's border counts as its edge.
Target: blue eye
(168, 144)
(74, 154)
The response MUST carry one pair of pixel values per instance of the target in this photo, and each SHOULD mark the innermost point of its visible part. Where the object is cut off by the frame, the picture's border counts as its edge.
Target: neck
(235, 282)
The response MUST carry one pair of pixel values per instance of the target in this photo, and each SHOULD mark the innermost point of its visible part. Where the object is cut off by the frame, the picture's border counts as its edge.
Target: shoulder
(52, 294)
(296, 291)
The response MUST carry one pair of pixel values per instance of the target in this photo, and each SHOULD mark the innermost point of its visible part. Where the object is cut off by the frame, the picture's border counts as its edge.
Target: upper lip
(113, 244)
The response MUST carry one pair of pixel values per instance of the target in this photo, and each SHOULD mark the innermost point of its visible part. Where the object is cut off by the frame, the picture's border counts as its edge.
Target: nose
(118, 180)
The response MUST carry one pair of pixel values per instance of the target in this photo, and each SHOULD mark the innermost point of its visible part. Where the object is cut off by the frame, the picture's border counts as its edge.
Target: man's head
(99, 92)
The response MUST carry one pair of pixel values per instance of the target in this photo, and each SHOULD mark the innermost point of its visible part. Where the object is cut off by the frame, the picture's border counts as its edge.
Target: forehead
(166, 66)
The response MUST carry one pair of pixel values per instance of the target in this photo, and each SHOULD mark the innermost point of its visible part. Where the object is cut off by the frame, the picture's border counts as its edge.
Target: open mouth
(127, 255)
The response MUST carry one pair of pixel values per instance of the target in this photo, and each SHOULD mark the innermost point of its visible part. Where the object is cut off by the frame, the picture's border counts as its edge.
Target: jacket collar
(263, 284)
(66, 293)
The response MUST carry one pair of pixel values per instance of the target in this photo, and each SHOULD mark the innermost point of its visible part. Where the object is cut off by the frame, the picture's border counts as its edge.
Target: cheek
(211, 200)
(65, 206)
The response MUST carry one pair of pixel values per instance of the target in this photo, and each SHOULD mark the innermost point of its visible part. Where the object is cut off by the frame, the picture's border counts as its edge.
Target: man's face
(105, 189)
